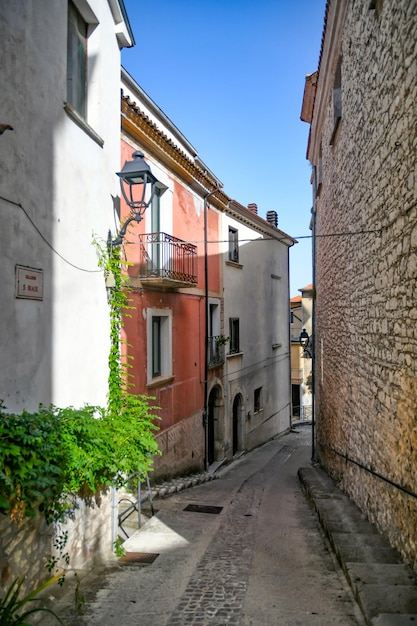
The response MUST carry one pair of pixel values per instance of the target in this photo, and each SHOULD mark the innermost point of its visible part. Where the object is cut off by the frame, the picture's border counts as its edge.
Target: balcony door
(155, 246)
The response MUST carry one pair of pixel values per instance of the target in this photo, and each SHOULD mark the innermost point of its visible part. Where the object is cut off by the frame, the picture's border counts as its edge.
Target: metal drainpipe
(206, 330)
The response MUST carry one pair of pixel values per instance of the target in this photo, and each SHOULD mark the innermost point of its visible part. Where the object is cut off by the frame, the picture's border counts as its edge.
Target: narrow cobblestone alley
(262, 560)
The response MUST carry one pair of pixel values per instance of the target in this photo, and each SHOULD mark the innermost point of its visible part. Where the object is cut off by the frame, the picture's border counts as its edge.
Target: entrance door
(295, 400)
(215, 417)
(210, 433)
(236, 424)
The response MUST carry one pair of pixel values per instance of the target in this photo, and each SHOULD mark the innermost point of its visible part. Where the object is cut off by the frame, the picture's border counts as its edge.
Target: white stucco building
(60, 93)
(257, 380)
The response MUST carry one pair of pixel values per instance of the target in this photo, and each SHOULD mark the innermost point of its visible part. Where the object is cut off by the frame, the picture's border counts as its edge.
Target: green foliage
(11, 606)
(30, 455)
(45, 456)
(79, 598)
(118, 547)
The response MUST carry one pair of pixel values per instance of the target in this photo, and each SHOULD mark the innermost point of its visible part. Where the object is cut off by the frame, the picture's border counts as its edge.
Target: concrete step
(384, 586)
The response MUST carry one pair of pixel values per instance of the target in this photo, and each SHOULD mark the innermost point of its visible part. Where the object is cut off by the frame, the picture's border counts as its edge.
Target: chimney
(253, 208)
(272, 218)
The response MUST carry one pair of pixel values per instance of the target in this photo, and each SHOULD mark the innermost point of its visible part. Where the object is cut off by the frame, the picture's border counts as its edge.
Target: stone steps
(384, 586)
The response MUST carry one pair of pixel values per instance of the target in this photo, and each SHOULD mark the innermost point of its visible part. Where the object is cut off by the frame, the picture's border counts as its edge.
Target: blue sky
(230, 75)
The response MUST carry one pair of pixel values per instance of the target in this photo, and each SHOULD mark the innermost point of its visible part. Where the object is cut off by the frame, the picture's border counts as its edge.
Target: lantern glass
(137, 183)
(304, 339)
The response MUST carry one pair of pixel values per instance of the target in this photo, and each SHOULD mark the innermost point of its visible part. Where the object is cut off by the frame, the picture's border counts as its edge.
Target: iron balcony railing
(215, 350)
(165, 256)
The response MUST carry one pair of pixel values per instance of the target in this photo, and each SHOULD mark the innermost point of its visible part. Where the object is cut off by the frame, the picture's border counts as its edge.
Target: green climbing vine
(129, 413)
(49, 455)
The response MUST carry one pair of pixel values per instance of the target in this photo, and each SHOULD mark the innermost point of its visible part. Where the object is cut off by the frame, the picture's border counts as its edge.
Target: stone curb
(179, 484)
(384, 586)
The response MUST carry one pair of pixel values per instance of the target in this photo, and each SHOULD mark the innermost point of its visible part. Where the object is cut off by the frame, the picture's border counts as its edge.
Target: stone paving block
(358, 540)
(366, 554)
(348, 525)
(379, 599)
(379, 573)
(388, 619)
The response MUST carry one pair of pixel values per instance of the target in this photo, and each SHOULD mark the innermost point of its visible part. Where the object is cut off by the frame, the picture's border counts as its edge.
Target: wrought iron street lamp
(305, 342)
(304, 339)
(139, 186)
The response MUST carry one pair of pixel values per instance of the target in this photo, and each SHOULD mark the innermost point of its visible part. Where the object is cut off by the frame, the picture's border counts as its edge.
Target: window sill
(232, 354)
(161, 380)
(80, 121)
(234, 264)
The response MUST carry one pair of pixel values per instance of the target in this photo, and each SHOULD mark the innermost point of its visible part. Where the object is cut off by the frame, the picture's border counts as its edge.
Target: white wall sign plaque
(29, 283)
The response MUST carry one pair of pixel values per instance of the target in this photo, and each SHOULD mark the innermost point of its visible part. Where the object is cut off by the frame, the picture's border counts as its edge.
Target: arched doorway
(215, 405)
(237, 443)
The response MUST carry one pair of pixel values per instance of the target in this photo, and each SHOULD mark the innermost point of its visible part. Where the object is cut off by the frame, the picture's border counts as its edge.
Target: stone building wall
(366, 271)
(182, 448)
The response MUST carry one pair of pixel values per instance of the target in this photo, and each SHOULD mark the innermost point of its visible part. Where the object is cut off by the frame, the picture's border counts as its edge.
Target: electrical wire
(41, 235)
(262, 239)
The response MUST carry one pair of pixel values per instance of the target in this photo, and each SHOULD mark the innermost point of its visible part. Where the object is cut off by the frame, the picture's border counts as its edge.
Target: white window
(233, 245)
(81, 23)
(234, 335)
(159, 344)
(77, 60)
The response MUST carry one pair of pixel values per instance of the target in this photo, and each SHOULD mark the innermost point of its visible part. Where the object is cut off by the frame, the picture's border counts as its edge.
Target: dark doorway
(212, 418)
(237, 410)
(295, 391)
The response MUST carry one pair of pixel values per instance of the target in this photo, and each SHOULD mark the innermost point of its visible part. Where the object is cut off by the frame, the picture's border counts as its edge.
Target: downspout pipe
(206, 328)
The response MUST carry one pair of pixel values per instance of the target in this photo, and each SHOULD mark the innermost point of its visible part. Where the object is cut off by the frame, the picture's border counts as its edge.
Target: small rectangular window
(233, 245)
(156, 346)
(159, 344)
(337, 100)
(337, 92)
(234, 335)
(77, 61)
(257, 400)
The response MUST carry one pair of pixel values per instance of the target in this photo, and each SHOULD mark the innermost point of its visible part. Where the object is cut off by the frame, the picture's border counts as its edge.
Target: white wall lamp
(138, 186)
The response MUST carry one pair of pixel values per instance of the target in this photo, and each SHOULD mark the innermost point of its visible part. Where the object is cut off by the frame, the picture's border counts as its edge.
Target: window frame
(77, 64)
(257, 400)
(234, 332)
(337, 100)
(233, 254)
(162, 344)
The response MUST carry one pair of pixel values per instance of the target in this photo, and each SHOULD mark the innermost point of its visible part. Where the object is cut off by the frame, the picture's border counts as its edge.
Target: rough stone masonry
(366, 260)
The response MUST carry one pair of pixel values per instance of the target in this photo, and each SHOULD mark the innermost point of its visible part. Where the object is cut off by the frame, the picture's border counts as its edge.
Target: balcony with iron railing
(216, 350)
(166, 262)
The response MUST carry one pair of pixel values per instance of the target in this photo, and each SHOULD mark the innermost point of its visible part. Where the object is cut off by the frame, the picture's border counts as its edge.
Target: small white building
(256, 385)
(60, 77)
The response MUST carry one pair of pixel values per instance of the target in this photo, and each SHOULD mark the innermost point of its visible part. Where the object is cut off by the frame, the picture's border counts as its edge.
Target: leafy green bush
(45, 456)
(31, 453)
(54, 452)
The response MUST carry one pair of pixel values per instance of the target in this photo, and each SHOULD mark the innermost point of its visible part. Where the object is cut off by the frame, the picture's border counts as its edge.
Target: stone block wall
(366, 269)
(182, 448)
(25, 549)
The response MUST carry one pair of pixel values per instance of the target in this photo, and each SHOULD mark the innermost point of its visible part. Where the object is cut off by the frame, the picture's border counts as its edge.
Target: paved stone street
(262, 561)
